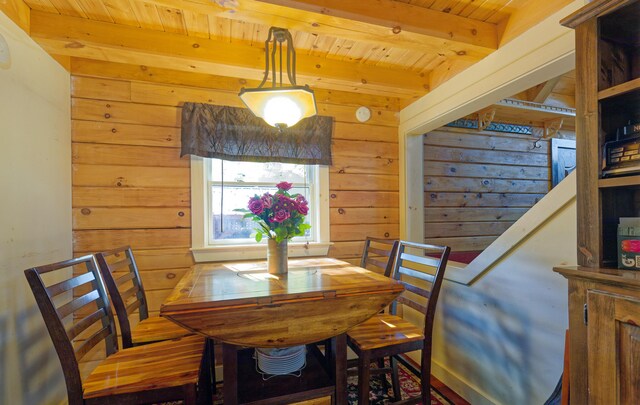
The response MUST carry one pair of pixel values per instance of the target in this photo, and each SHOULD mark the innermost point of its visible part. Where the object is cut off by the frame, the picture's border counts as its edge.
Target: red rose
(300, 199)
(303, 209)
(281, 216)
(256, 206)
(284, 185)
(267, 200)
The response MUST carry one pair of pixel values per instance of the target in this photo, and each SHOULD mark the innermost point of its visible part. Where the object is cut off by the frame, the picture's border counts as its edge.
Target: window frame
(200, 208)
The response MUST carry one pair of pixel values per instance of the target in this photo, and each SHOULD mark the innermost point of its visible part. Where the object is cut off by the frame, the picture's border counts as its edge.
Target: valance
(232, 133)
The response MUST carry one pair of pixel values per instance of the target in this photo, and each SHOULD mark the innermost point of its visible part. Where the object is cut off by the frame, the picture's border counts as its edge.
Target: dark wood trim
(596, 8)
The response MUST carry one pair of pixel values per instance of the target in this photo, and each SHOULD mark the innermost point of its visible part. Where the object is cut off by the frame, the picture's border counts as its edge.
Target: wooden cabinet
(616, 324)
(604, 327)
(604, 302)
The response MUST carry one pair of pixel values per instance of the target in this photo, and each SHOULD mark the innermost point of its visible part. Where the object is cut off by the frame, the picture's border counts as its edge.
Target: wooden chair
(381, 247)
(389, 334)
(121, 276)
(76, 311)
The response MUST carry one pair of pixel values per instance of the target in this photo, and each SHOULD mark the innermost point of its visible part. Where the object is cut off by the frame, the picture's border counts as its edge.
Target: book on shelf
(629, 243)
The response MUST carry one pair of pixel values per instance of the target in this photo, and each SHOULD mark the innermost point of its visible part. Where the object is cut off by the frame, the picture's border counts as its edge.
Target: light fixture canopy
(279, 105)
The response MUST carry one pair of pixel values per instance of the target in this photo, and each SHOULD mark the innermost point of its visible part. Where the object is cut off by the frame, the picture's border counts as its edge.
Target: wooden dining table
(241, 305)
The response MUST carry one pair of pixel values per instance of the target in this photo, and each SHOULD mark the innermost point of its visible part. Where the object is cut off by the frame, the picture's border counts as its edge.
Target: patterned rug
(409, 385)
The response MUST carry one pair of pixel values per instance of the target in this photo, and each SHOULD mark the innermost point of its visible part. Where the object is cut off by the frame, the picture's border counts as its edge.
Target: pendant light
(280, 105)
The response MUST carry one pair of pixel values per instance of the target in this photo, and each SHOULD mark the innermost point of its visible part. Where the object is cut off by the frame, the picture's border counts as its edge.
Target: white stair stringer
(545, 210)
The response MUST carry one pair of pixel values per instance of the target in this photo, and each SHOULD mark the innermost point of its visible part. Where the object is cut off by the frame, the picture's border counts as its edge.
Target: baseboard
(466, 391)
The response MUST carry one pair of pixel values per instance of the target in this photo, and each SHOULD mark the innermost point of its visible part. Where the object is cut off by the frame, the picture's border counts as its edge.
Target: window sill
(255, 251)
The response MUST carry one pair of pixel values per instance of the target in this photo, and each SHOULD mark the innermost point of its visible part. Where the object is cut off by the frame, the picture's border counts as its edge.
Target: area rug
(409, 386)
(378, 395)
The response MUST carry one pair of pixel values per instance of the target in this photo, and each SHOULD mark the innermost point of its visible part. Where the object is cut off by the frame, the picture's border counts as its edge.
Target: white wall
(501, 339)
(35, 211)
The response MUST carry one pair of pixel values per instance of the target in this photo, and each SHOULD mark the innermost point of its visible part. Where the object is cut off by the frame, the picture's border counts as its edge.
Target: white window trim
(204, 253)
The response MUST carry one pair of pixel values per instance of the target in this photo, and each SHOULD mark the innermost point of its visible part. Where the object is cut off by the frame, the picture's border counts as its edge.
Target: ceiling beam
(120, 71)
(413, 28)
(84, 38)
(445, 71)
(399, 17)
(540, 93)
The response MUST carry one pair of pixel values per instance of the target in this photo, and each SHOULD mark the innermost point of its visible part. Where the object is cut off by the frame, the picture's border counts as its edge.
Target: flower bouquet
(280, 217)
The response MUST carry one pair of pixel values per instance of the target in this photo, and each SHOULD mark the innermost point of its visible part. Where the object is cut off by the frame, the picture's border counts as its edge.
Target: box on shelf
(629, 244)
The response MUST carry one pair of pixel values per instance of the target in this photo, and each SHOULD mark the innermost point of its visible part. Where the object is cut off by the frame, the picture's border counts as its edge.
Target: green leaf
(258, 237)
(265, 228)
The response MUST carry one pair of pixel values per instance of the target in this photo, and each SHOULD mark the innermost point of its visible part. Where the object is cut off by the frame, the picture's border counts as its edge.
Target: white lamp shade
(281, 106)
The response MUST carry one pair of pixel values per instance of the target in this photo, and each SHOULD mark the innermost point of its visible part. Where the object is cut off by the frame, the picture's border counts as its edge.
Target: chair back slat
(124, 278)
(422, 277)
(120, 264)
(78, 303)
(64, 286)
(380, 252)
(131, 308)
(127, 294)
(385, 249)
(91, 342)
(377, 263)
(416, 290)
(425, 261)
(411, 304)
(85, 323)
(416, 274)
(65, 335)
(131, 292)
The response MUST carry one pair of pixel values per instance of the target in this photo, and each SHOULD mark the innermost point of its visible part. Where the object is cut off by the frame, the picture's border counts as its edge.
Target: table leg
(230, 374)
(339, 365)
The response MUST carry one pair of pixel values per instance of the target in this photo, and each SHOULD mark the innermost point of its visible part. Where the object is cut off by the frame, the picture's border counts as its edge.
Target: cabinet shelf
(606, 275)
(625, 181)
(623, 88)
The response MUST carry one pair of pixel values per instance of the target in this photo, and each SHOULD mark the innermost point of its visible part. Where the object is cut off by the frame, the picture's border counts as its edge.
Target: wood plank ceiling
(395, 48)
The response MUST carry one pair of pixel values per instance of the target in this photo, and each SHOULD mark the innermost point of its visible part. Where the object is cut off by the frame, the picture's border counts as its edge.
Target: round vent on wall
(363, 114)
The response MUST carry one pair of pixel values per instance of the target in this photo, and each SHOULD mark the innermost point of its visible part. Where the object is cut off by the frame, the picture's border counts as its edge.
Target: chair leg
(212, 364)
(207, 380)
(425, 380)
(190, 394)
(385, 382)
(364, 374)
(395, 379)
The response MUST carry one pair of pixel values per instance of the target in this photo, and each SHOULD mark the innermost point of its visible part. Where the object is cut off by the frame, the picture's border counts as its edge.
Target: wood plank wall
(477, 184)
(130, 185)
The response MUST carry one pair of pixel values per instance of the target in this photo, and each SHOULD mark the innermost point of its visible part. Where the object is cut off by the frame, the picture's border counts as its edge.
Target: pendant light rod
(280, 105)
(278, 36)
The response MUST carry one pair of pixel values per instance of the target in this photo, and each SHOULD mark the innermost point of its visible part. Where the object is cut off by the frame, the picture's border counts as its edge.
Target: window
(220, 233)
